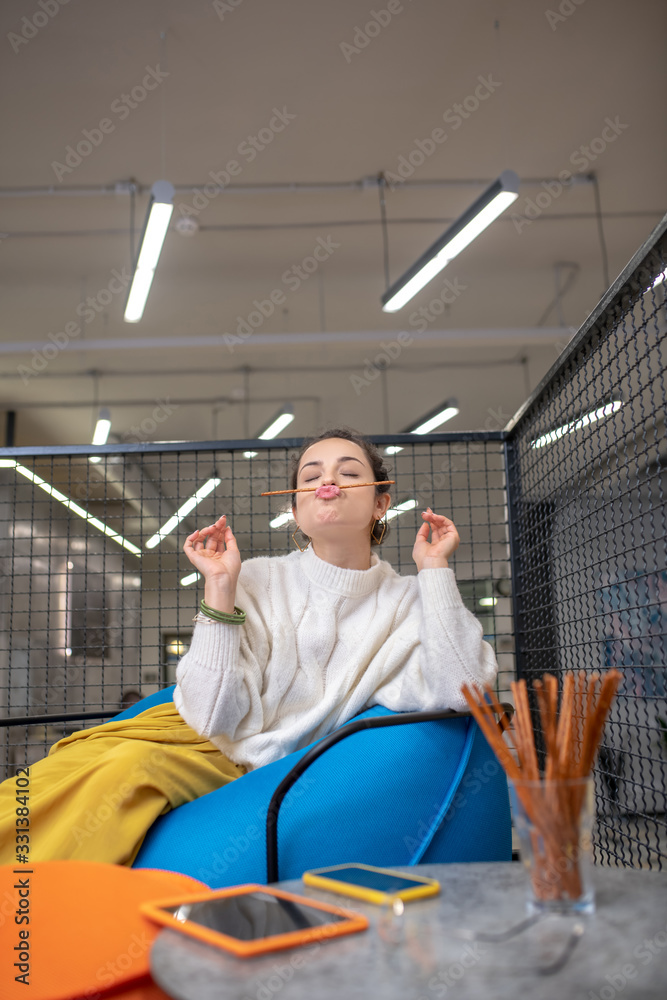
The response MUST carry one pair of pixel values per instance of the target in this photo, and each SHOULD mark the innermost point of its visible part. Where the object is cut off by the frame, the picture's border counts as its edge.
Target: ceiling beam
(512, 336)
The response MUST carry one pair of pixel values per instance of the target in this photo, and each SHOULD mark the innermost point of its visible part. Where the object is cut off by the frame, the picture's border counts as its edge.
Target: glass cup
(554, 823)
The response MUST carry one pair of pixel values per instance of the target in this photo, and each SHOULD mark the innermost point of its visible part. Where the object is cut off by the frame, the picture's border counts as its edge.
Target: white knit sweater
(319, 645)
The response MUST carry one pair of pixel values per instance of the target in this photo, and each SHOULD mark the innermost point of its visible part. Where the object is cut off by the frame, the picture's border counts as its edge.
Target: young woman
(285, 650)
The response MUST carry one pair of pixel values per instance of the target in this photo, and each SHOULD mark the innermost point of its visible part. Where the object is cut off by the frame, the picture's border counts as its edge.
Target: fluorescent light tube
(66, 502)
(490, 204)
(399, 508)
(187, 580)
(279, 520)
(432, 420)
(435, 421)
(152, 240)
(574, 425)
(250, 454)
(102, 428)
(182, 512)
(659, 280)
(274, 429)
(101, 432)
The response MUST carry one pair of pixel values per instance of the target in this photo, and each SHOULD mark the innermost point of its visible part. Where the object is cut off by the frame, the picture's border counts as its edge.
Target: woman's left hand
(444, 541)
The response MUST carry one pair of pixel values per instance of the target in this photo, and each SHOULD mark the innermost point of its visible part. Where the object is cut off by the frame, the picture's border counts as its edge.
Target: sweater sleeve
(437, 646)
(219, 680)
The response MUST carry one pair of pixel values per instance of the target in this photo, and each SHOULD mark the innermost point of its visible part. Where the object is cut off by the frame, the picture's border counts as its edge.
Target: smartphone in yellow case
(375, 885)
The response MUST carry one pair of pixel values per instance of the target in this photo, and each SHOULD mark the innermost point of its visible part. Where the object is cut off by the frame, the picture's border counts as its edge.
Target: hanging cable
(603, 245)
(383, 217)
(96, 400)
(133, 192)
(502, 103)
(560, 290)
(323, 325)
(246, 398)
(163, 130)
(385, 399)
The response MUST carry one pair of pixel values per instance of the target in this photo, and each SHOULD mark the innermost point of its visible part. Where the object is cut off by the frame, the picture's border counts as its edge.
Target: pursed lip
(334, 496)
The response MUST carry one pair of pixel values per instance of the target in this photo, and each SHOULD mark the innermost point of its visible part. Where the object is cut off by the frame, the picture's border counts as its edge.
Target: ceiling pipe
(289, 187)
(195, 401)
(211, 372)
(528, 335)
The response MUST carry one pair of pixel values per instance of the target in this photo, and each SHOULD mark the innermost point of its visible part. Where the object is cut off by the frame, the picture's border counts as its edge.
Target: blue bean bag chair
(395, 792)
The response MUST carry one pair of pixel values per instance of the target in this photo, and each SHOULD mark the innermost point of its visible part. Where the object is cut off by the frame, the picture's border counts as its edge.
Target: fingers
(220, 523)
(428, 513)
(440, 525)
(209, 537)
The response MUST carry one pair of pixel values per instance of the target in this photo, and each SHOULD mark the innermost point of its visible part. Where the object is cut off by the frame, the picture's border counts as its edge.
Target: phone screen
(252, 915)
(372, 880)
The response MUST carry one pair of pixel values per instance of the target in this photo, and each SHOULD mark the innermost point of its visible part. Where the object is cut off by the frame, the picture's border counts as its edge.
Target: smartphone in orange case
(252, 919)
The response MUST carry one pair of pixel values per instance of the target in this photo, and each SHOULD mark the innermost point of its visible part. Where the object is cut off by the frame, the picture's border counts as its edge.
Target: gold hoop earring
(295, 541)
(384, 528)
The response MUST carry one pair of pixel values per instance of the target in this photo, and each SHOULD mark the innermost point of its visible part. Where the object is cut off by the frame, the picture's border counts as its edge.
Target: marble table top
(443, 946)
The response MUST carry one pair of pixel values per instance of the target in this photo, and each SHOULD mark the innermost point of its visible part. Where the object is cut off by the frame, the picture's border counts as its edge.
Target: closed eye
(354, 475)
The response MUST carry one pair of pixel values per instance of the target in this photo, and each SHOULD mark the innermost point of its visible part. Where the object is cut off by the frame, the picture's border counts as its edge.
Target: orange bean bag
(71, 930)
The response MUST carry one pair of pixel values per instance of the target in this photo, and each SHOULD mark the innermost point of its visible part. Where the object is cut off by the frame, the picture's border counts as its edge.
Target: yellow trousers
(98, 791)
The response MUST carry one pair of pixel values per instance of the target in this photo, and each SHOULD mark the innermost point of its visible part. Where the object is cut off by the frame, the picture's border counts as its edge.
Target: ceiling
(332, 106)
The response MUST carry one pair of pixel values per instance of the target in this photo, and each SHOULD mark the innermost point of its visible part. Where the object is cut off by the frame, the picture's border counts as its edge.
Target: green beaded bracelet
(222, 616)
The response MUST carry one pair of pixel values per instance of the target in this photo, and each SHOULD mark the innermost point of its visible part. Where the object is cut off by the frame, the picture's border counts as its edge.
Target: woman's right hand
(214, 552)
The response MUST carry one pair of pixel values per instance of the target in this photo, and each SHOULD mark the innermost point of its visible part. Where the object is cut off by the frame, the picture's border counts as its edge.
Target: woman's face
(339, 462)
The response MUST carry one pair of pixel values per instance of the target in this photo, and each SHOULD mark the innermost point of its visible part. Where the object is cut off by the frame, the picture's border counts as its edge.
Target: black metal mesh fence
(586, 467)
(98, 597)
